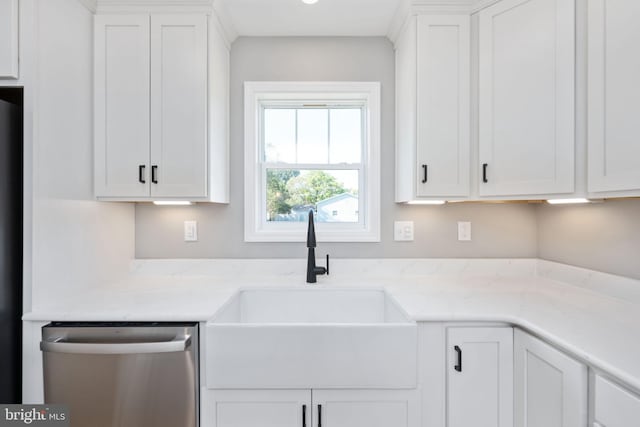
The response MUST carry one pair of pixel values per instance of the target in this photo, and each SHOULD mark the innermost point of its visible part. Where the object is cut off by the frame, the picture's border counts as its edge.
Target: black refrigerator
(11, 213)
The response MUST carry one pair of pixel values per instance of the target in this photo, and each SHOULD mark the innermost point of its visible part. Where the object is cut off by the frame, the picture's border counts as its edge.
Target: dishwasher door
(123, 375)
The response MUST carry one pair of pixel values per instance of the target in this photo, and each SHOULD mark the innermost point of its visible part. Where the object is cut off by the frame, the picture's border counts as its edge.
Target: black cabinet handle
(154, 177)
(141, 174)
(327, 264)
(484, 173)
(304, 415)
(424, 174)
(458, 367)
(319, 415)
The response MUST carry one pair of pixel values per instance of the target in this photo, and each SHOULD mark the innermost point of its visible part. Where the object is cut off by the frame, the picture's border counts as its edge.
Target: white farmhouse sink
(311, 338)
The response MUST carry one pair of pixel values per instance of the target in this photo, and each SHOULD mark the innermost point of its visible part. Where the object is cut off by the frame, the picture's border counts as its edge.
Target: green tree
(310, 188)
(277, 193)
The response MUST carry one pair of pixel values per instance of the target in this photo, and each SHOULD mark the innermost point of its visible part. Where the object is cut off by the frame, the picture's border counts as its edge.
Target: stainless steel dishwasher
(123, 374)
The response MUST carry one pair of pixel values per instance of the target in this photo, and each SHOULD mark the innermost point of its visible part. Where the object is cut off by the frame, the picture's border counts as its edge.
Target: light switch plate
(403, 231)
(464, 231)
(190, 231)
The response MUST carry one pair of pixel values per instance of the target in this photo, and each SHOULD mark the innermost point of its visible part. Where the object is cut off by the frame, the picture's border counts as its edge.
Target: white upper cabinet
(179, 105)
(550, 387)
(433, 76)
(161, 125)
(614, 96)
(480, 377)
(614, 406)
(526, 98)
(9, 39)
(122, 106)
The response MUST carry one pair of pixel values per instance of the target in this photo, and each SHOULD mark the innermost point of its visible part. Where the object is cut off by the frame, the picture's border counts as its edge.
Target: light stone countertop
(594, 316)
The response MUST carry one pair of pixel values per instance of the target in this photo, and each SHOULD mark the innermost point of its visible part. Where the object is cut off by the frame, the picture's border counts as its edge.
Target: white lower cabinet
(365, 408)
(480, 377)
(307, 408)
(263, 408)
(550, 387)
(614, 406)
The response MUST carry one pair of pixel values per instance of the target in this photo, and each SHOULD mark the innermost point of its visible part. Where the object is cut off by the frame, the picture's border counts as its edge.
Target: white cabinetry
(318, 408)
(480, 377)
(9, 39)
(614, 96)
(152, 99)
(122, 105)
(526, 98)
(614, 406)
(550, 387)
(433, 76)
(365, 408)
(263, 408)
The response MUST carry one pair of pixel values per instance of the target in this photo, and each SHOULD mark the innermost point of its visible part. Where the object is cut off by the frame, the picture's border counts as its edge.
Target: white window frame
(256, 228)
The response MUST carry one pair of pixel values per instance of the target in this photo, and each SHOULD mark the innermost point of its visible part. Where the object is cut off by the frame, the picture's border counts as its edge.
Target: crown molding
(403, 12)
(224, 22)
(91, 5)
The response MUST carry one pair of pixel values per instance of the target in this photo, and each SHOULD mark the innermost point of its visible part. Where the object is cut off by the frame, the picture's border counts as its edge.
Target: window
(312, 146)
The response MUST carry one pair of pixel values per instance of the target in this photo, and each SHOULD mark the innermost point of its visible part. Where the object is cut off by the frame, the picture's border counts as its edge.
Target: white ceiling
(325, 18)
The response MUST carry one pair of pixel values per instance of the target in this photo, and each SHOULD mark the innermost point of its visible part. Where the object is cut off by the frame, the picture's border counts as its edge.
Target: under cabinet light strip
(172, 203)
(568, 201)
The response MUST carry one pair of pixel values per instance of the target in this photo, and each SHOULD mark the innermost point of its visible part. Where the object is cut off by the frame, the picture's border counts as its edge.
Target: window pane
(333, 194)
(313, 135)
(346, 135)
(280, 135)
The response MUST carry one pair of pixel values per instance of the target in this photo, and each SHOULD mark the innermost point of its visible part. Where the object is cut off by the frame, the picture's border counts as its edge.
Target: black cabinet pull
(484, 173)
(304, 415)
(141, 174)
(458, 367)
(319, 415)
(154, 177)
(327, 264)
(424, 174)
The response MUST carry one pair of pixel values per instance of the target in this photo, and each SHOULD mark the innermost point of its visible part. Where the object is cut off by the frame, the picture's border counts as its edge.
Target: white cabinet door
(365, 408)
(614, 95)
(615, 406)
(480, 377)
(406, 69)
(9, 39)
(527, 74)
(122, 106)
(443, 76)
(179, 105)
(257, 408)
(550, 387)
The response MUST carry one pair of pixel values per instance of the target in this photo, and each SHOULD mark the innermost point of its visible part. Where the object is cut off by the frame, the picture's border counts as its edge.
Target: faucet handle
(322, 270)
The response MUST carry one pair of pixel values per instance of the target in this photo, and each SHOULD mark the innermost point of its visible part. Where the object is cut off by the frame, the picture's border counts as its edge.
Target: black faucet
(312, 270)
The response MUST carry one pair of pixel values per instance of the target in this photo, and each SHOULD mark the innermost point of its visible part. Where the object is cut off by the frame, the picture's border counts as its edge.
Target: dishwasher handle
(59, 346)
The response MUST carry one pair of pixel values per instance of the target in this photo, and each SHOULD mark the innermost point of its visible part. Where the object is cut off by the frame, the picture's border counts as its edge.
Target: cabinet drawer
(615, 406)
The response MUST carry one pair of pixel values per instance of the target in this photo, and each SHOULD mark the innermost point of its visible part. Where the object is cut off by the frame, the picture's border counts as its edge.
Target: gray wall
(604, 237)
(498, 230)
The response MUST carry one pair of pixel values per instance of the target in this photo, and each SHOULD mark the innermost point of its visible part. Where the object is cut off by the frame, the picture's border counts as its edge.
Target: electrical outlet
(403, 231)
(190, 231)
(464, 231)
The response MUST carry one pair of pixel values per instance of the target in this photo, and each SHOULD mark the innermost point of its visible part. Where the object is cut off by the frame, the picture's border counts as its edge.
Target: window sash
(362, 194)
(318, 105)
